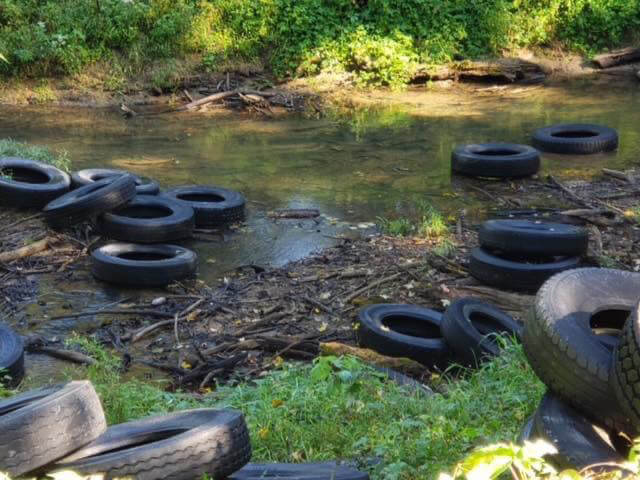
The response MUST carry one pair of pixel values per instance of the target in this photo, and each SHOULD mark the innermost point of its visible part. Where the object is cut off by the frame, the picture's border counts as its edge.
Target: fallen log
(405, 365)
(617, 57)
(295, 213)
(504, 71)
(68, 355)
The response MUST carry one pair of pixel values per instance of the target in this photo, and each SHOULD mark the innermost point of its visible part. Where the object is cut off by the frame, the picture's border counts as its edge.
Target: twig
(148, 329)
(26, 251)
(317, 304)
(186, 94)
(370, 286)
(264, 321)
(71, 356)
(182, 314)
(152, 313)
(617, 174)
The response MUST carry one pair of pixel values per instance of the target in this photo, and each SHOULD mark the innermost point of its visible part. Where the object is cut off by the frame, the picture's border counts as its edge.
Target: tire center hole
(497, 152)
(609, 323)
(486, 324)
(25, 175)
(144, 256)
(135, 211)
(575, 134)
(201, 197)
(411, 326)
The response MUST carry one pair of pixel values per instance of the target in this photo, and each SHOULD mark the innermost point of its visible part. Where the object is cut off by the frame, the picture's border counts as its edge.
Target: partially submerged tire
(626, 375)
(576, 138)
(404, 331)
(89, 201)
(142, 265)
(298, 471)
(148, 219)
(144, 185)
(11, 357)
(180, 446)
(515, 272)
(503, 160)
(27, 183)
(533, 238)
(470, 327)
(570, 337)
(213, 206)
(42, 426)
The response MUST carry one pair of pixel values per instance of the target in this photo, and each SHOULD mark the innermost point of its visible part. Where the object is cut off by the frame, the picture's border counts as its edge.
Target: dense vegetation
(381, 41)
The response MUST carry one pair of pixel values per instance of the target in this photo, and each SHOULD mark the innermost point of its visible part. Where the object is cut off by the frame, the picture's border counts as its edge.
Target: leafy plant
(11, 148)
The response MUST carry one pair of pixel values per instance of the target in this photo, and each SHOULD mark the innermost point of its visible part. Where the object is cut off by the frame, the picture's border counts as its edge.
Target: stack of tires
(583, 341)
(466, 334)
(63, 428)
(522, 254)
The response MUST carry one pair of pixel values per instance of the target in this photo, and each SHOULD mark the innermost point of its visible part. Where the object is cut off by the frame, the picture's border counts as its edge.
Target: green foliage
(379, 41)
(397, 227)
(11, 148)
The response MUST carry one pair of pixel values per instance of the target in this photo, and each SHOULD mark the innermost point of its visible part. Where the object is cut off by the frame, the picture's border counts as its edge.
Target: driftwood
(26, 251)
(247, 94)
(295, 213)
(617, 57)
(617, 174)
(405, 365)
(506, 71)
(68, 355)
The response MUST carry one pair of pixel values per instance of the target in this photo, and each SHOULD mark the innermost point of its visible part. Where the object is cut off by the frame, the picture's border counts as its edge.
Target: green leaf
(3, 58)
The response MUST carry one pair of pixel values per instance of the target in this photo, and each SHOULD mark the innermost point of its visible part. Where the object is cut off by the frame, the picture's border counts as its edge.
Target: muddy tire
(570, 337)
(516, 274)
(89, 201)
(11, 357)
(144, 185)
(470, 326)
(142, 265)
(148, 219)
(213, 206)
(27, 183)
(533, 238)
(297, 471)
(404, 331)
(576, 139)
(626, 376)
(180, 446)
(42, 426)
(502, 160)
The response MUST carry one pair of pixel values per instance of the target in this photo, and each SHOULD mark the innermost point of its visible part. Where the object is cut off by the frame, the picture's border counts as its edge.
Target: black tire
(470, 327)
(533, 238)
(527, 434)
(142, 265)
(626, 375)
(27, 183)
(148, 219)
(42, 426)
(513, 273)
(89, 201)
(144, 185)
(213, 206)
(502, 160)
(578, 441)
(404, 331)
(11, 357)
(576, 138)
(570, 337)
(298, 471)
(179, 446)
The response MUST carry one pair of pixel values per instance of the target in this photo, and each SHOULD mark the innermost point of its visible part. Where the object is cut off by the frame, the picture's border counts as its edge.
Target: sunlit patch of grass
(11, 148)
(397, 227)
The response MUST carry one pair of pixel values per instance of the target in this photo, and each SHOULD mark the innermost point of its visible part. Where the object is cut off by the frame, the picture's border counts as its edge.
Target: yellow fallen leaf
(275, 403)
(263, 433)
(186, 365)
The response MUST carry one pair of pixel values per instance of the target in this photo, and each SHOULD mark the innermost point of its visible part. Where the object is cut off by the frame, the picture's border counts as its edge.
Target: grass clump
(12, 148)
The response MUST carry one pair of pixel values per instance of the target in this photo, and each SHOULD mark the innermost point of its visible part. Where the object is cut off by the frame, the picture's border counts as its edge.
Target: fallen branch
(26, 251)
(617, 174)
(295, 213)
(148, 329)
(69, 355)
(617, 57)
(366, 288)
(402, 364)
(151, 313)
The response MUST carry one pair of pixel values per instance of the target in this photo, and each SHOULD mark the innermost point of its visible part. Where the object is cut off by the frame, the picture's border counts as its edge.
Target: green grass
(11, 148)
(339, 408)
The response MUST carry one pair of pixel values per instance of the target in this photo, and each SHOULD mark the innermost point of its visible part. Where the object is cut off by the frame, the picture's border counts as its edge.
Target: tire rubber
(11, 357)
(211, 214)
(431, 350)
(564, 350)
(23, 194)
(297, 471)
(89, 201)
(533, 238)
(107, 264)
(503, 160)
(42, 426)
(516, 275)
(626, 375)
(469, 327)
(180, 446)
(603, 139)
(144, 185)
(177, 222)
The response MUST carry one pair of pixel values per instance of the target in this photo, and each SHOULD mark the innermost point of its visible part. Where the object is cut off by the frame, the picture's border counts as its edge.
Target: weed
(44, 94)
(432, 223)
(11, 148)
(398, 227)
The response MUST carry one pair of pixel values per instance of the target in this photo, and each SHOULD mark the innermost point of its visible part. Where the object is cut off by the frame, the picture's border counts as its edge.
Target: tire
(572, 333)
(11, 357)
(144, 185)
(527, 434)
(576, 139)
(42, 426)
(626, 378)
(213, 206)
(27, 183)
(89, 201)
(533, 238)
(516, 274)
(148, 219)
(470, 326)
(578, 441)
(297, 471)
(142, 265)
(502, 160)
(179, 446)
(404, 331)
